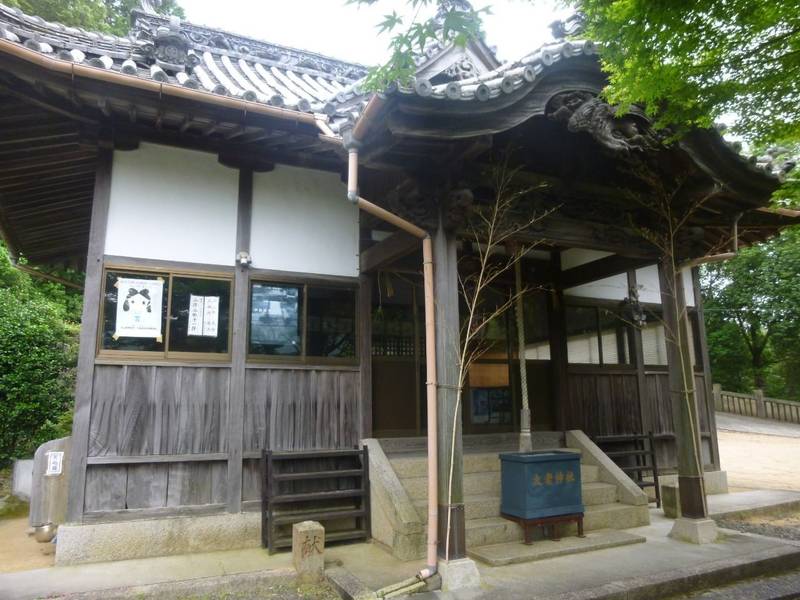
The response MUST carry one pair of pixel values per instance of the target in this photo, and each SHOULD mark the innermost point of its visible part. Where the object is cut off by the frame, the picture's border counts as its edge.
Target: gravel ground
(246, 586)
(785, 525)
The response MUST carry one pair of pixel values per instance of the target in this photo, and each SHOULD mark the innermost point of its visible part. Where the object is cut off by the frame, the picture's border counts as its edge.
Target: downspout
(430, 331)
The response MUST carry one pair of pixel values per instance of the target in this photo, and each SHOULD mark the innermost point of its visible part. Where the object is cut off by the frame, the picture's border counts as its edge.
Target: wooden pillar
(241, 302)
(705, 361)
(92, 294)
(637, 354)
(451, 485)
(682, 392)
(365, 352)
(558, 345)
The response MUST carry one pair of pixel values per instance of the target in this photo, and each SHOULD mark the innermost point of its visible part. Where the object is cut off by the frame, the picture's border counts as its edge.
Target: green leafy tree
(688, 62)
(38, 343)
(753, 308)
(111, 16)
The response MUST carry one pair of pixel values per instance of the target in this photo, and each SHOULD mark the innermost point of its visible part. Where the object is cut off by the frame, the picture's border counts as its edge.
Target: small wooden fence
(756, 405)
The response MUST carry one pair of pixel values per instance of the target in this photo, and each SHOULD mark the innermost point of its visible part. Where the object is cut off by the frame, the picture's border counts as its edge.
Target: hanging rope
(525, 443)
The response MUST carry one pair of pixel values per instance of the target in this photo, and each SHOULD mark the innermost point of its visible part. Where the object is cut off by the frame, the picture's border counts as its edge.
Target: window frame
(610, 306)
(304, 283)
(165, 355)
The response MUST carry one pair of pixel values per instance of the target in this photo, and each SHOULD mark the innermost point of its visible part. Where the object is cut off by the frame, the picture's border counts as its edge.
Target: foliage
(690, 63)
(453, 23)
(752, 305)
(110, 16)
(38, 343)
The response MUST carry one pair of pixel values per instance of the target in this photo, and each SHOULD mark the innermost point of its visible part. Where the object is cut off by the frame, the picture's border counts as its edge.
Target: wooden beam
(88, 337)
(637, 352)
(575, 233)
(241, 302)
(602, 268)
(705, 360)
(396, 246)
(365, 352)
(48, 277)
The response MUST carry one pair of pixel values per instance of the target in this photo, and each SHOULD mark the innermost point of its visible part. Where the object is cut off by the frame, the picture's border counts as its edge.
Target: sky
(348, 32)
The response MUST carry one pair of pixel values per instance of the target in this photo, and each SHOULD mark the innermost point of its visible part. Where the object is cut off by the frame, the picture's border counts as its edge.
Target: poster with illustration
(203, 316)
(139, 304)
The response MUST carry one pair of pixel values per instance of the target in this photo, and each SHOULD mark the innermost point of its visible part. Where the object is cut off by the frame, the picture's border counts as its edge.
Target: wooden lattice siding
(297, 410)
(144, 411)
(605, 402)
(661, 422)
(158, 434)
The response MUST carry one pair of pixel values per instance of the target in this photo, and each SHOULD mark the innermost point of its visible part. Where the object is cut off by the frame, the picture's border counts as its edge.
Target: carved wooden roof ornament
(582, 111)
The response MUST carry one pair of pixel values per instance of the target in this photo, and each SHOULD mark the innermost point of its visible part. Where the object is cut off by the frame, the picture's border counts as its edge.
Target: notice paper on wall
(139, 304)
(203, 315)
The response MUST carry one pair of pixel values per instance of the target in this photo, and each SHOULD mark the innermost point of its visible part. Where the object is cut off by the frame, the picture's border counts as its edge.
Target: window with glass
(167, 315)
(302, 321)
(597, 336)
(654, 340)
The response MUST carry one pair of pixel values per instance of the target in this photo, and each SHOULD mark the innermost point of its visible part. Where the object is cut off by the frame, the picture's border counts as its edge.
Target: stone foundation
(100, 542)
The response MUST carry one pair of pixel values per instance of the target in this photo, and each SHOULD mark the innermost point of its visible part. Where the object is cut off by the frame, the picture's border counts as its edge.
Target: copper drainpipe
(430, 330)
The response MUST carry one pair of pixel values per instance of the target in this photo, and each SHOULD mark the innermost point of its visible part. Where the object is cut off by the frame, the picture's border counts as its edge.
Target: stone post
(308, 551)
(761, 407)
(716, 390)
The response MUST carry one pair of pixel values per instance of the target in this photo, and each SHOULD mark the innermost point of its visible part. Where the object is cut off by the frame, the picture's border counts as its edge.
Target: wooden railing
(756, 405)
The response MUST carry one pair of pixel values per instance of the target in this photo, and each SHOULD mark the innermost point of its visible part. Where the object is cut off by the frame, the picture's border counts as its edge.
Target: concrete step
(615, 516)
(595, 493)
(488, 505)
(475, 484)
(480, 483)
(497, 530)
(415, 465)
(491, 530)
(514, 552)
(589, 473)
(475, 507)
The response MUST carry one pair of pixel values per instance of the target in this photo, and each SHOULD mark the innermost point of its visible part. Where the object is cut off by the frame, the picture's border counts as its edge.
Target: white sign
(203, 315)
(55, 463)
(139, 304)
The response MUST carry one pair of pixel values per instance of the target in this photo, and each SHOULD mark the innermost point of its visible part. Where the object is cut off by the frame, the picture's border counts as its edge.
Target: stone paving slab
(518, 552)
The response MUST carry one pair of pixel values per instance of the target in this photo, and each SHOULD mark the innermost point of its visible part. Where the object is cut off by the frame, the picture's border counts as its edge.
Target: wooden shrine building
(236, 301)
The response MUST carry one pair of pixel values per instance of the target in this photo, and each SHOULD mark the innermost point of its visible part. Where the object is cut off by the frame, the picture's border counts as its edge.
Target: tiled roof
(170, 51)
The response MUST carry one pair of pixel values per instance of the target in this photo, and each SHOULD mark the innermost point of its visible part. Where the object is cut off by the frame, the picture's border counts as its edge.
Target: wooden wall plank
(300, 410)
(146, 486)
(105, 487)
(241, 302)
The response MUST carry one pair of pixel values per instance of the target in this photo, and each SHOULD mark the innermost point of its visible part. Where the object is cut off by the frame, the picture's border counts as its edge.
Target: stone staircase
(484, 525)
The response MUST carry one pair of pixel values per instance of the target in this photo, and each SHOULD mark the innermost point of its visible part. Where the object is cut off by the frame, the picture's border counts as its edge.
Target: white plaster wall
(172, 204)
(650, 290)
(616, 287)
(610, 288)
(303, 222)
